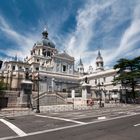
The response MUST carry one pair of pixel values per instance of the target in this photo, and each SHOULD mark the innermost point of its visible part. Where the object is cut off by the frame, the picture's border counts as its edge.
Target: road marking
(131, 113)
(63, 119)
(137, 124)
(67, 127)
(101, 118)
(18, 131)
(77, 125)
(8, 138)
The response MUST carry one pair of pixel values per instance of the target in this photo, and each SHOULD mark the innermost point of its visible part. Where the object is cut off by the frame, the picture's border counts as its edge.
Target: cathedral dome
(45, 40)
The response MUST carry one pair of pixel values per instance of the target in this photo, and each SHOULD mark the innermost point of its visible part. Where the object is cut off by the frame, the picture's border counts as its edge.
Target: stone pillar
(73, 94)
(86, 92)
(53, 85)
(24, 99)
(103, 95)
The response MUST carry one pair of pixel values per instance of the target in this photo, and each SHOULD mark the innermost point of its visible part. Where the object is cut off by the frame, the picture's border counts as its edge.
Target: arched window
(44, 52)
(48, 53)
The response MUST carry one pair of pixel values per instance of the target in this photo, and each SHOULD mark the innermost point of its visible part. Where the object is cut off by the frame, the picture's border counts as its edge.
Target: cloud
(78, 41)
(24, 43)
(129, 38)
(99, 24)
(105, 22)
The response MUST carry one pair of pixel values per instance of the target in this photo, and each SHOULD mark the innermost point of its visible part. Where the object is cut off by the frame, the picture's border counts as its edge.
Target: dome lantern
(45, 33)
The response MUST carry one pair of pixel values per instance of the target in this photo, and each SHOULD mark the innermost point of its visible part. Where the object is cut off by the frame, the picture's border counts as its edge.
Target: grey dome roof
(45, 40)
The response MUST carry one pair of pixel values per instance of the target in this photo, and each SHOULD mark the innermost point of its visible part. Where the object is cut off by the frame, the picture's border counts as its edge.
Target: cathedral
(56, 72)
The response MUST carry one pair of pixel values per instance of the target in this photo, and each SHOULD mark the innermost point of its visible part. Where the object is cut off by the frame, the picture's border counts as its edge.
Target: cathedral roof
(64, 55)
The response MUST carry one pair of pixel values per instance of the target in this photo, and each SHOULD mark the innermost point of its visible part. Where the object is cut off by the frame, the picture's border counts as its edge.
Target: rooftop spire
(80, 67)
(80, 62)
(99, 62)
(99, 54)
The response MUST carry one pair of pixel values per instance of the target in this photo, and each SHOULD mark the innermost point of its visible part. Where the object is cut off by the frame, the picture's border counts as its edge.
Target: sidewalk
(12, 112)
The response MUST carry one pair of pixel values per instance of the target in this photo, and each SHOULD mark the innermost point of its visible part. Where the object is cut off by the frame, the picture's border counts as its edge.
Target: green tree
(2, 86)
(128, 73)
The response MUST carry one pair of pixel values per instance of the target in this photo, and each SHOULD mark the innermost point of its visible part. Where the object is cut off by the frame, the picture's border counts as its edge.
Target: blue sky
(80, 27)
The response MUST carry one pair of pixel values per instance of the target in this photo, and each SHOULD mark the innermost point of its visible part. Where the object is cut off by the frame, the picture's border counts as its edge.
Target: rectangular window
(95, 81)
(48, 53)
(64, 68)
(13, 68)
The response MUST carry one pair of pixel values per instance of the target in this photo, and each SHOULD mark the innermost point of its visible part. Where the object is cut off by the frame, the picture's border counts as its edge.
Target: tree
(2, 86)
(128, 73)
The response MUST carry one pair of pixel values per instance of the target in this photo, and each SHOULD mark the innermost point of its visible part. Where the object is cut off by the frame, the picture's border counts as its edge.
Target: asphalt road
(118, 129)
(82, 125)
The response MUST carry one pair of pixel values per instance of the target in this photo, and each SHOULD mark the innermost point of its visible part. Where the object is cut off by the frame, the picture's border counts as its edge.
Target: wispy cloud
(24, 43)
(113, 46)
(111, 25)
(129, 38)
(78, 41)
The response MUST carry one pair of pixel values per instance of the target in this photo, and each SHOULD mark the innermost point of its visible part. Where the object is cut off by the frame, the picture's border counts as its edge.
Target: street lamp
(100, 99)
(37, 107)
(120, 94)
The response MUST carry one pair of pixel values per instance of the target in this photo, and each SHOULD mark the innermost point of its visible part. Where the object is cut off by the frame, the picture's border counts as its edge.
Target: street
(76, 125)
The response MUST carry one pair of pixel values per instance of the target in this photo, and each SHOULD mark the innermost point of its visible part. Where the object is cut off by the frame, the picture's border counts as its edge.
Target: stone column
(24, 99)
(86, 92)
(53, 85)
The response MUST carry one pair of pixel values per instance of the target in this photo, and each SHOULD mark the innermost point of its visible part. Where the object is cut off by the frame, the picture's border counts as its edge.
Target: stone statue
(27, 75)
(86, 80)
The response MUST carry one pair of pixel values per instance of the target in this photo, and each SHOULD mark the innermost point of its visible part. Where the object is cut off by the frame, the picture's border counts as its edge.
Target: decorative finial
(99, 54)
(45, 33)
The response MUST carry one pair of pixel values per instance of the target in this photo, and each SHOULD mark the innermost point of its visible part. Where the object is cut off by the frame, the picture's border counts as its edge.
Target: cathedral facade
(56, 71)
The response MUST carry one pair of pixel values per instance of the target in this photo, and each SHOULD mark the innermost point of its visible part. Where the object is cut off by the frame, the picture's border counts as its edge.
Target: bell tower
(99, 62)
(80, 67)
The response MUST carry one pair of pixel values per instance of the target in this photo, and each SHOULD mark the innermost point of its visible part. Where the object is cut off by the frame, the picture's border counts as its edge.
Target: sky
(80, 27)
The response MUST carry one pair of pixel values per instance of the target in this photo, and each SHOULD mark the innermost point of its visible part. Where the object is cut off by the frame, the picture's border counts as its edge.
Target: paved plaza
(26, 125)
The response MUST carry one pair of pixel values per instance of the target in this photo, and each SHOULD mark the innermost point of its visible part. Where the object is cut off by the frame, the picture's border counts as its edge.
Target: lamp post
(37, 107)
(100, 99)
(7, 79)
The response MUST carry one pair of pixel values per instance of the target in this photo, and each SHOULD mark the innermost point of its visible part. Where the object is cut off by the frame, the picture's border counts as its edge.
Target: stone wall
(12, 98)
(70, 107)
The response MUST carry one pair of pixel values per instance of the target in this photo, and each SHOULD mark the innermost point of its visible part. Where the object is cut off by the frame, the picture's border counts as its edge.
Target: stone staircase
(11, 97)
(49, 98)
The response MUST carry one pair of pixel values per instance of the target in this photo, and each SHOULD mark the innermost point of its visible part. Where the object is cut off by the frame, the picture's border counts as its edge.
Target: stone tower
(80, 67)
(99, 62)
